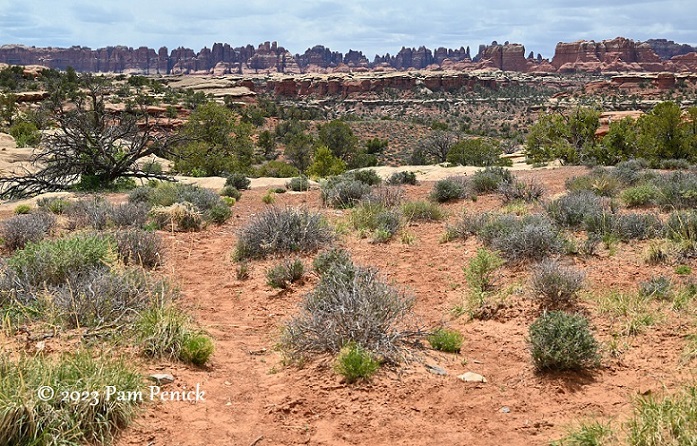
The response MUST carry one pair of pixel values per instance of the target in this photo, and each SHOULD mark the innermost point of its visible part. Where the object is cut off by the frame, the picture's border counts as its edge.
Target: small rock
(506, 409)
(162, 378)
(471, 377)
(436, 370)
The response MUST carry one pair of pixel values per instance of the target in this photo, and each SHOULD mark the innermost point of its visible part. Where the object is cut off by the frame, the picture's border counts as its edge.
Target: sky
(374, 27)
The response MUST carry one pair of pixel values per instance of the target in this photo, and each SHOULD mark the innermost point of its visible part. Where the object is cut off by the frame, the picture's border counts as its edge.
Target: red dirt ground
(252, 398)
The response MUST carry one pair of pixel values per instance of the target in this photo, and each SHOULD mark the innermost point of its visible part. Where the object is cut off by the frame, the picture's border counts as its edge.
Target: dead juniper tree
(93, 145)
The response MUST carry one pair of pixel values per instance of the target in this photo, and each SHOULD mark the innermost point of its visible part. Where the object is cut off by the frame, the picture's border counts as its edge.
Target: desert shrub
(518, 190)
(659, 287)
(629, 172)
(126, 215)
(298, 184)
(381, 221)
(52, 262)
(342, 192)
(530, 238)
(28, 420)
(448, 189)
(55, 205)
(22, 209)
(19, 230)
(276, 169)
(641, 195)
(387, 196)
(138, 247)
(562, 341)
(219, 214)
(489, 179)
(571, 209)
(683, 270)
(481, 270)
(229, 201)
(671, 420)
(405, 177)
(231, 191)
(196, 349)
(681, 226)
(168, 194)
(355, 363)
(278, 231)
(152, 167)
(446, 340)
(677, 190)
(177, 217)
(674, 164)
(161, 330)
(598, 181)
(90, 212)
(351, 304)
(422, 211)
(285, 273)
(238, 181)
(269, 197)
(99, 297)
(637, 226)
(330, 258)
(203, 199)
(365, 176)
(25, 134)
(555, 284)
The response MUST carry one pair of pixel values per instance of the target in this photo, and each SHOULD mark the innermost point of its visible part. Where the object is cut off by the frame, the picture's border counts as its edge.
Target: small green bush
(480, 272)
(683, 270)
(219, 214)
(196, 349)
(448, 189)
(641, 195)
(355, 363)
(382, 221)
(366, 176)
(562, 341)
(25, 134)
(331, 258)
(298, 184)
(269, 197)
(489, 179)
(238, 181)
(422, 211)
(55, 205)
(162, 330)
(449, 341)
(342, 191)
(52, 262)
(276, 169)
(232, 192)
(22, 209)
(659, 287)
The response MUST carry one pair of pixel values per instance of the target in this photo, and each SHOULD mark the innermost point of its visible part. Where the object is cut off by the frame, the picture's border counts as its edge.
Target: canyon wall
(615, 55)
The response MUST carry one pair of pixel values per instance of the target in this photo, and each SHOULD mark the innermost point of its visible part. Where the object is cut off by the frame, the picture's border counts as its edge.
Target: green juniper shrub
(298, 184)
(445, 340)
(231, 191)
(490, 178)
(561, 341)
(279, 231)
(355, 363)
(219, 214)
(238, 181)
(449, 189)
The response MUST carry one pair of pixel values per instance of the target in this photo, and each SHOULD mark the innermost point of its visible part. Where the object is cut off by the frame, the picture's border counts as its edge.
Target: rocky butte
(615, 55)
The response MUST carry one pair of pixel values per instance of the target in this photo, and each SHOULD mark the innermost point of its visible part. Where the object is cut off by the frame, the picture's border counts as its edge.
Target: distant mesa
(615, 55)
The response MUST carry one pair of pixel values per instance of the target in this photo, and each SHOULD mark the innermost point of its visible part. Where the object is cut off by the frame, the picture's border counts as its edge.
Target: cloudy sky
(372, 26)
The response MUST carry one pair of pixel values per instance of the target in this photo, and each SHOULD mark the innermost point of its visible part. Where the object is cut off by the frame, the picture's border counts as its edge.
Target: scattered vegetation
(445, 340)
